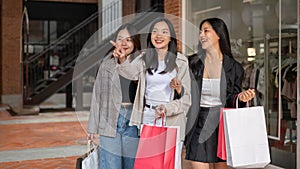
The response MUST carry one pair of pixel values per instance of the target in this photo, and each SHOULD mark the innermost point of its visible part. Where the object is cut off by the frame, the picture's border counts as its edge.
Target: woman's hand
(246, 95)
(160, 111)
(176, 84)
(90, 137)
(118, 52)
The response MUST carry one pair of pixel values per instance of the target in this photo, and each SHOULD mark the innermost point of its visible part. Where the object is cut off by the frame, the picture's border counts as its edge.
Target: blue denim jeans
(119, 152)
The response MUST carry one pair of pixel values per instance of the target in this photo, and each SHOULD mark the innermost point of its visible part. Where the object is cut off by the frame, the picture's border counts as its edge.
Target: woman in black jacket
(216, 83)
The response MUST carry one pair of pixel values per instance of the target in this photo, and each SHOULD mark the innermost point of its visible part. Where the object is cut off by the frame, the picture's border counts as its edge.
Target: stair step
(58, 74)
(40, 87)
(52, 79)
(44, 84)
(34, 93)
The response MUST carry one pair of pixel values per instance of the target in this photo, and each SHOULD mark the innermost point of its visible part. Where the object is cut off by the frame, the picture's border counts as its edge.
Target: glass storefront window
(264, 40)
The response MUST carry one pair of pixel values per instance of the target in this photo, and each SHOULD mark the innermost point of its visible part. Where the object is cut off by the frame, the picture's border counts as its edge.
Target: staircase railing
(37, 72)
(64, 50)
(67, 47)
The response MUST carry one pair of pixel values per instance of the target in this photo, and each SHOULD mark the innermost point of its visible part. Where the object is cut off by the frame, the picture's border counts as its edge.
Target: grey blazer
(106, 100)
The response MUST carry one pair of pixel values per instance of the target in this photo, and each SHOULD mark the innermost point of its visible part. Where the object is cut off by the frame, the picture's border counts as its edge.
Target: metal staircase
(37, 88)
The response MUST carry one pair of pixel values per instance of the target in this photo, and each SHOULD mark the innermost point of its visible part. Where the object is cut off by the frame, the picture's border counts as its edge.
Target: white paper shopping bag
(92, 159)
(178, 149)
(246, 138)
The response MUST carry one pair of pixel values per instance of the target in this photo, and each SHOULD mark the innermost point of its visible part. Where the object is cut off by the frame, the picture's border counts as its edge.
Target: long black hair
(133, 35)
(221, 30)
(151, 56)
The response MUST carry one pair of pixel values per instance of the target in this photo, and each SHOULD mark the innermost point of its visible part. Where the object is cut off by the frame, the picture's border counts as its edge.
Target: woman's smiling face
(208, 37)
(160, 36)
(125, 41)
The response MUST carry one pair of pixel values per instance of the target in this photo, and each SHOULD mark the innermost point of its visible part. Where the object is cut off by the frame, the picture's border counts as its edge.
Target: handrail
(26, 18)
(70, 32)
(40, 87)
(64, 36)
(75, 29)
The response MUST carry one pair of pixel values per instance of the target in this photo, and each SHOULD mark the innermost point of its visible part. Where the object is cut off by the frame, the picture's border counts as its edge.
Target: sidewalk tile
(24, 136)
(53, 163)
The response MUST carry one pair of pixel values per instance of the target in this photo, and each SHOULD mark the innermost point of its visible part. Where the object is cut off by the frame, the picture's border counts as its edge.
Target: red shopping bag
(157, 147)
(221, 152)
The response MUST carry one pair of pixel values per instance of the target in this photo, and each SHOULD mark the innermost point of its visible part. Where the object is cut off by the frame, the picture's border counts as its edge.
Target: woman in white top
(159, 69)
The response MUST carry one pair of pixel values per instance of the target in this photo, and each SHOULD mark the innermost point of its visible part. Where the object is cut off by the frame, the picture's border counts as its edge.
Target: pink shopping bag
(157, 148)
(221, 152)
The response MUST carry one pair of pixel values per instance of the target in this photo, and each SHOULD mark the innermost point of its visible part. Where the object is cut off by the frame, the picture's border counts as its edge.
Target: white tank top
(158, 90)
(210, 96)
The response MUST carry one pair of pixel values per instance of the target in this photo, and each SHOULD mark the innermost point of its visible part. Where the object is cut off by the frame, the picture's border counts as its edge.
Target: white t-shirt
(158, 90)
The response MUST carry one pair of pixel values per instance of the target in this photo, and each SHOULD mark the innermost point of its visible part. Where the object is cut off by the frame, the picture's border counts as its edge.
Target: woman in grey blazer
(111, 106)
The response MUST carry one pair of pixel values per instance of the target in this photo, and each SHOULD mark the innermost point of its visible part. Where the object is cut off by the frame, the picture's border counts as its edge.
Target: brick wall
(0, 50)
(128, 8)
(173, 11)
(11, 24)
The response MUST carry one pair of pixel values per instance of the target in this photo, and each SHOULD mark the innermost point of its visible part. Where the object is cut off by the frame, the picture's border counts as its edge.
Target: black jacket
(232, 71)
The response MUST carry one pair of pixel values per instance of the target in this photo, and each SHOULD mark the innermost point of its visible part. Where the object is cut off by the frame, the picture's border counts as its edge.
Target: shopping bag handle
(162, 121)
(237, 103)
(90, 146)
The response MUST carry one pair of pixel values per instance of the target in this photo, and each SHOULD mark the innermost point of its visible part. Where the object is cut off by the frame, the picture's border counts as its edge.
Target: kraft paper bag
(246, 137)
